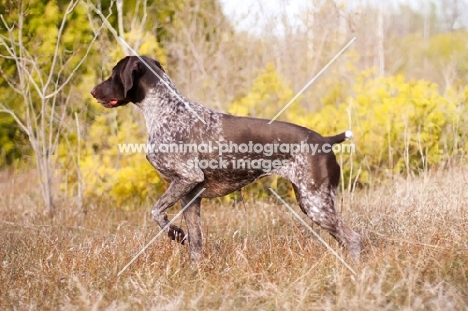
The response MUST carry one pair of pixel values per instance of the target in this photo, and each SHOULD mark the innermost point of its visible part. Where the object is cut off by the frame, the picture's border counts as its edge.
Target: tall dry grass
(258, 256)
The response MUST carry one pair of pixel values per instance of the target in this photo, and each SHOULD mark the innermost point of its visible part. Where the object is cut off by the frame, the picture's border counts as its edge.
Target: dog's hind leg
(193, 221)
(319, 206)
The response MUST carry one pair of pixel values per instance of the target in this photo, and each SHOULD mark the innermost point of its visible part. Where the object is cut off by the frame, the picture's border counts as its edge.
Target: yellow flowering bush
(399, 126)
(106, 171)
(124, 179)
(268, 95)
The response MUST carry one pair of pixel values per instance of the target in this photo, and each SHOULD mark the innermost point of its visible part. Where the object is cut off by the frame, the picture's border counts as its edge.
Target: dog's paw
(176, 234)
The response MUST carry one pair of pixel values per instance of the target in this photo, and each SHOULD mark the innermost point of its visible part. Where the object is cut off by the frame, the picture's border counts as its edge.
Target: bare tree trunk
(380, 42)
(42, 122)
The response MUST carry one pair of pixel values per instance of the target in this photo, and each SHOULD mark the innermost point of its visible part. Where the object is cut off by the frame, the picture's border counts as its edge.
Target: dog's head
(130, 79)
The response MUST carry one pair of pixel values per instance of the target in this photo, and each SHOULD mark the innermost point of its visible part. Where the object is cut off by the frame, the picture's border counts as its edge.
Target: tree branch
(108, 25)
(70, 8)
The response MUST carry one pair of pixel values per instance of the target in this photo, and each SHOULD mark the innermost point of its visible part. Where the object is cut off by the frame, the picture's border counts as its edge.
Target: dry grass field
(258, 256)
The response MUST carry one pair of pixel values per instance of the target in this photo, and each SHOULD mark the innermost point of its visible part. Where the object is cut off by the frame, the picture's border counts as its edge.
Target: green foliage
(149, 46)
(160, 16)
(36, 25)
(9, 133)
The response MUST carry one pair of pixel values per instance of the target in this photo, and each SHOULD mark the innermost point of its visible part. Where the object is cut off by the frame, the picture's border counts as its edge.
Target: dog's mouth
(108, 103)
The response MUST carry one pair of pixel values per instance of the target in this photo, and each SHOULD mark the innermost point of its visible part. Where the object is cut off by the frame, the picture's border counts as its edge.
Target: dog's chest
(176, 140)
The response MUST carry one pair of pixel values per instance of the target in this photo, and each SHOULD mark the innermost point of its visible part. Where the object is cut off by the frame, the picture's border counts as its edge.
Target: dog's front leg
(177, 190)
(193, 221)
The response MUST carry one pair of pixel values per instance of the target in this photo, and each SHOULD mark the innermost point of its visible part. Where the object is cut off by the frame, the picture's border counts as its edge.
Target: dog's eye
(116, 79)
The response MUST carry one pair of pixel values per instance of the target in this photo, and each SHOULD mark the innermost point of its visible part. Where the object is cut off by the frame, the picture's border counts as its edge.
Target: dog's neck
(164, 108)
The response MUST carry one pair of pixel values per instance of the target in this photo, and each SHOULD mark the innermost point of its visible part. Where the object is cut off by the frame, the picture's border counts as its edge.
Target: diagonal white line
(312, 80)
(313, 231)
(161, 79)
(159, 233)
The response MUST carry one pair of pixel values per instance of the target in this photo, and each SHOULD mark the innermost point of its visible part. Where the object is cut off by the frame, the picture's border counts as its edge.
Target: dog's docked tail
(337, 139)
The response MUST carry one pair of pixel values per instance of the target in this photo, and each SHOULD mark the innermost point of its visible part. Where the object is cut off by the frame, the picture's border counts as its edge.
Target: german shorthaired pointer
(175, 120)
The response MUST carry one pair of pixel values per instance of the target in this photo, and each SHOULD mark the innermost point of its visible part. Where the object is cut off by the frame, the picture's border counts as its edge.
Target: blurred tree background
(401, 86)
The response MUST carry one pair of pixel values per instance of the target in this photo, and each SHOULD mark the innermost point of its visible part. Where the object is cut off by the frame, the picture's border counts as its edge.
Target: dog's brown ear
(127, 74)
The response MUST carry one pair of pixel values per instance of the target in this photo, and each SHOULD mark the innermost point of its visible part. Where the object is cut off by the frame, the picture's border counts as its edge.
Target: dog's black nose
(93, 92)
